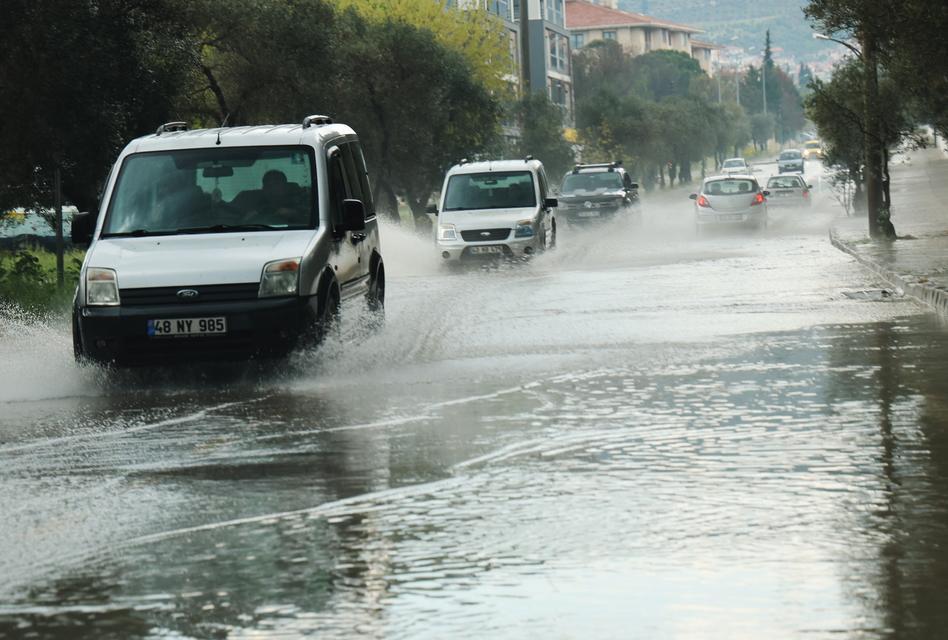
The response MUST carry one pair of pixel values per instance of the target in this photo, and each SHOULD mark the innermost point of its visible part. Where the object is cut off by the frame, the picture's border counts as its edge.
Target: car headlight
(447, 232)
(524, 229)
(102, 287)
(280, 278)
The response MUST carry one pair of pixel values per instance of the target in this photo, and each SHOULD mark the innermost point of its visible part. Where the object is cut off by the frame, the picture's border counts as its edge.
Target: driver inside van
(278, 202)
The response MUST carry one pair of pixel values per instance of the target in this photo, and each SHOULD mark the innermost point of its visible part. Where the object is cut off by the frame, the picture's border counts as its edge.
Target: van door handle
(357, 238)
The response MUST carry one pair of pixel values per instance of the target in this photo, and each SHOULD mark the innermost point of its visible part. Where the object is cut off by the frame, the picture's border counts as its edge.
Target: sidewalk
(916, 263)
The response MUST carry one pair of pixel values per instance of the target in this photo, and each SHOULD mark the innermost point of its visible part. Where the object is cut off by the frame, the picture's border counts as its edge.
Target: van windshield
(495, 190)
(213, 191)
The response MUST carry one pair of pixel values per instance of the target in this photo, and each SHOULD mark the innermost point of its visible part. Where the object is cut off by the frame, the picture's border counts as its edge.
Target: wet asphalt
(642, 434)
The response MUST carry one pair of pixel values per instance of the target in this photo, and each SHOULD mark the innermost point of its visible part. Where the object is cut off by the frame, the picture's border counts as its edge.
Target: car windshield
(790, 155)
(213, 191)
(592, 182)
(494, 190)
(731, 164)
(785, 182)
(812, 145)
(730, 187)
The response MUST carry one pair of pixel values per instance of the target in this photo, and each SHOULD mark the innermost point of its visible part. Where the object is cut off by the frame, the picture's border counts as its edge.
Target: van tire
(327, 314)
(76, 338)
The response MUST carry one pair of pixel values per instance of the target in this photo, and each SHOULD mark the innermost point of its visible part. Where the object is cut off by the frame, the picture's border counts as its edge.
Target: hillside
(742, 23)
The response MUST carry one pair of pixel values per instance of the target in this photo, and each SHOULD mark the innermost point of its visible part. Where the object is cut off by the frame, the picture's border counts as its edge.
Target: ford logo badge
(485, 234)
(188, 294)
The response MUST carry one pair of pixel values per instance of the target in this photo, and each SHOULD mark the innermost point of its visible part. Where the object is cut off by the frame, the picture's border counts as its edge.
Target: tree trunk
(879, 225)
(386, 202)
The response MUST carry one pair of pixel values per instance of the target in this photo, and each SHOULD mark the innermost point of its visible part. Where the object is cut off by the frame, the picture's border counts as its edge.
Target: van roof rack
(317, 120)
(172, 126)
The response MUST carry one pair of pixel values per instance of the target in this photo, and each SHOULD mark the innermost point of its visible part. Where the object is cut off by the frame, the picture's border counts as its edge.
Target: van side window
(352, 174)
(541, 177)
(338, 188)
(363, 178)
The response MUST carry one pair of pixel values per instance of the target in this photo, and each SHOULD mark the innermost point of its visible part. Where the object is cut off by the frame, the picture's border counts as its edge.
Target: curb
(935, 296)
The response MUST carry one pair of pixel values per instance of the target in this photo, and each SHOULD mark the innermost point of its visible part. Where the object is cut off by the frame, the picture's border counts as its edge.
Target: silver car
(735, 165)
(730, 200)
(789, 190)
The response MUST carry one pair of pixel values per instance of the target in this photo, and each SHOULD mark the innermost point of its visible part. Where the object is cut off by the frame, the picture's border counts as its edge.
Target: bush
(28, 279)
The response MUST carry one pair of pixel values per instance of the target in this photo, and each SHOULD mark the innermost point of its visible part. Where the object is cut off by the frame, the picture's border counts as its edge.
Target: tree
(416, 105)
(77, 80)
(541, 131)
(474, 33)
(871, 21)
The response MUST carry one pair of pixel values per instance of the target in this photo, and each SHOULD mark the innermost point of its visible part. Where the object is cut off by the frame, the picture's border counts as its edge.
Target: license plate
(187, 327)
(783, 194)
(588, 214)
(730, 217)
(491, 249)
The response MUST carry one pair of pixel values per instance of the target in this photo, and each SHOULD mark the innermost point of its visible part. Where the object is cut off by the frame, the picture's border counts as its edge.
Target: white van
(226, 242)
(495, 209)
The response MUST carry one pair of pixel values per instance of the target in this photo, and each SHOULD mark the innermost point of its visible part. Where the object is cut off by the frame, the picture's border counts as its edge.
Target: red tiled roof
(701, 44)
(586, 15)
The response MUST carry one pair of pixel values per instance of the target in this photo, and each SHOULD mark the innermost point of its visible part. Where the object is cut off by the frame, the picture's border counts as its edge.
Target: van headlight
(101, 287)
(447, 232)
(280, 278)
(524, 229)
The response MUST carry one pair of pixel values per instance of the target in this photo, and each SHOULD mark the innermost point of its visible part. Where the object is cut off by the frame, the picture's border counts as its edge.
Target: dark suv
(593, 192)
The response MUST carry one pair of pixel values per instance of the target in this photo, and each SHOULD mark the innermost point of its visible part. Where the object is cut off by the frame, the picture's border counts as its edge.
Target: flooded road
(641, 434)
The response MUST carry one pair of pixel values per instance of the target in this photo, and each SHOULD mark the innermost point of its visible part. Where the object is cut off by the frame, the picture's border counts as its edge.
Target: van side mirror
(765, 192)
(432, 208)
(693, 196)
(83, 225)
(551, 203)
(634, 186)
(353, 216)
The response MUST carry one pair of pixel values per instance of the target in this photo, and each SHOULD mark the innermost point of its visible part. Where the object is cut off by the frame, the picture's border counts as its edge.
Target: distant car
(790, 161)
(788, 190)
(735, 165)
(813, 150)
(730, 201)
(593, 192)
(495, 209)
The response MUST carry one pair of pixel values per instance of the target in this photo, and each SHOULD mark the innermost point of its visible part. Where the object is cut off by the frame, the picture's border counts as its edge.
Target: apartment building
(540, 48)
(589, 21)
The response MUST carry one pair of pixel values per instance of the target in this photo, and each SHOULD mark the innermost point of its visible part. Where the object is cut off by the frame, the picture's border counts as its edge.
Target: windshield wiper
(137, 233)
(223, 228)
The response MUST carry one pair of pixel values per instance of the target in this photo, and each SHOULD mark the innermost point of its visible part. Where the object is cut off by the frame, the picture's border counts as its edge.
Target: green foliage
(28, 279)
(77, 80)
(541, 134)
(654, 111)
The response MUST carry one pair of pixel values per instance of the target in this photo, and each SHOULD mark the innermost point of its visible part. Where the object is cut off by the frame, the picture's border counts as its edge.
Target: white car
(730, 201)
(495, 209)
(789, 190)
(735, 165)
(226, 242)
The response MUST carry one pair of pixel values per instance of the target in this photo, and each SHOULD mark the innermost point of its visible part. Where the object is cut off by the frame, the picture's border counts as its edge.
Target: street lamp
(871, 138)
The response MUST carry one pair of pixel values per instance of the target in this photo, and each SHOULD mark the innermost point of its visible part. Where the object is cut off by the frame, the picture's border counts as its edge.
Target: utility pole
(58, 205)
(525, 45)
(737, 82)
(763, 75)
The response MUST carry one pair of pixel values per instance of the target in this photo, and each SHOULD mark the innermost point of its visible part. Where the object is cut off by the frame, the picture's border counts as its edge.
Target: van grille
(478, 235)
(206, 293)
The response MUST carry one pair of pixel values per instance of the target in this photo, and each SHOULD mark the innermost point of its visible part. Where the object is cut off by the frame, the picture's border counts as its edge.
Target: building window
(559, 51)
(554, 11)
(608, 35)
(500, 8)
(579, 40)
